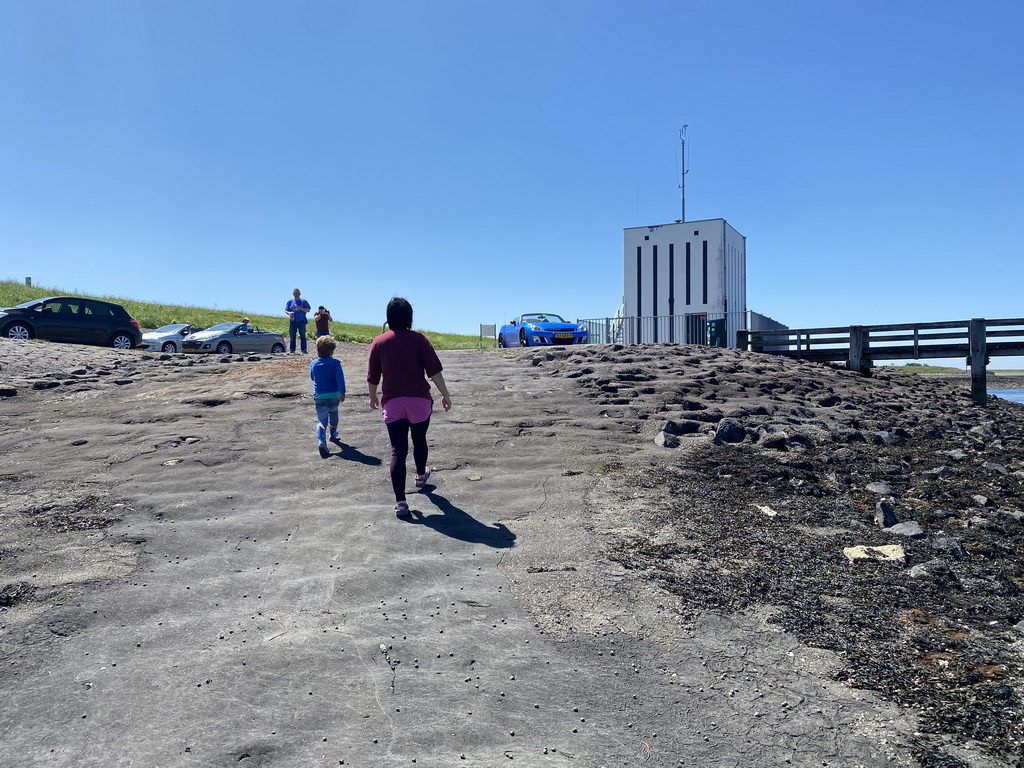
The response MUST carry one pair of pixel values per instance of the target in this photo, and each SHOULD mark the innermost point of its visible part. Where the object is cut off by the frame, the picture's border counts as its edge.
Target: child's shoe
(402, 509)
(324, 450)
(421, 480)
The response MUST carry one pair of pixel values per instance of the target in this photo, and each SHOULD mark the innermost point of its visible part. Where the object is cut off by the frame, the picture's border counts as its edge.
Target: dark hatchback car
(69, 318)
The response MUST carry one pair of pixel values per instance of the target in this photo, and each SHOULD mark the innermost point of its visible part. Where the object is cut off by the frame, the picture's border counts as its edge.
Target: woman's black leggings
(398, 433)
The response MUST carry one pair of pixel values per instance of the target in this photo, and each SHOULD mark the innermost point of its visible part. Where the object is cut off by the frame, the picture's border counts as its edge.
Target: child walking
(328, 392)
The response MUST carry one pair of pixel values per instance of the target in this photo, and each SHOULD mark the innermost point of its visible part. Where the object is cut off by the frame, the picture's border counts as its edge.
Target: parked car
(72, 319)
(541, 329)
(232, 337)
(168, 338)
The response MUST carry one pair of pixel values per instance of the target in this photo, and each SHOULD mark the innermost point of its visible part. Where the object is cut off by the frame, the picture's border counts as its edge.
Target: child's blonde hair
(325, 346)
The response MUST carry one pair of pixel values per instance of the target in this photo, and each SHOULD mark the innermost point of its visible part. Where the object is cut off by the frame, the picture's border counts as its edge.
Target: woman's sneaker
(421, 480)
(402, 509)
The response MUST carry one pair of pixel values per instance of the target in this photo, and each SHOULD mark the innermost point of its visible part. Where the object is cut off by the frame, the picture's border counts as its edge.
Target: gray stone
(666, 440)
(1019, 626)
(935, 474)
(882, 489)
(985, 524)
(799, 441)
(681, 427)
(984, 431)
(729, 431)
(909, 529)
(991, 465)
(936, 570)
(956, 454)
(983, 501)
(1016, 514)
(775, 441)
(887, 438)
(951, 545)
(885, 516)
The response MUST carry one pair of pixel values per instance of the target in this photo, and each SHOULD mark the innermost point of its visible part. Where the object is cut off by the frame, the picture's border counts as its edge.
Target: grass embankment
(950, 370)
(151, 315)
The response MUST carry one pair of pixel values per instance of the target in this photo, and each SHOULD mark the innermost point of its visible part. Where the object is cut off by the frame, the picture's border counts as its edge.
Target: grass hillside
(152, 316)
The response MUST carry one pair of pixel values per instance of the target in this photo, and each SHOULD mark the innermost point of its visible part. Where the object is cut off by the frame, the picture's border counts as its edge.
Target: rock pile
(879, 518)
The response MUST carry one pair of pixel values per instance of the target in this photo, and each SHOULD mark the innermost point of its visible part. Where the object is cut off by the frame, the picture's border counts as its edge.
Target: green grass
(152, 316)
(922, 368)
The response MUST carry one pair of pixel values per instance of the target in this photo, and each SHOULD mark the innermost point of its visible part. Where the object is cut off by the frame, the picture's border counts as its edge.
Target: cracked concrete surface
(229, 598)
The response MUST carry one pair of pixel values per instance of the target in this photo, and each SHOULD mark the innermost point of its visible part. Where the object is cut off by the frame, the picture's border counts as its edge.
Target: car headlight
(533, 327)
(582, 327)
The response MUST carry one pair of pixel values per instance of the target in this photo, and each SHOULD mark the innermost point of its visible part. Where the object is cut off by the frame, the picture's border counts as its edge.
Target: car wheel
(277, 349)
(524, 340)
(169, 347)
(18, 331)
(501, 340)
(224, 348)
(122, 341)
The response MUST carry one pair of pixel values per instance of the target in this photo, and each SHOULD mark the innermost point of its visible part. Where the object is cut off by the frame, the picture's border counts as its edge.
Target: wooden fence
(861, 346)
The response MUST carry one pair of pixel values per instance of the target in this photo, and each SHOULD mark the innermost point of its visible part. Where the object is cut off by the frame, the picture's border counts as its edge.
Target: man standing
(323, 321)
(296, 309)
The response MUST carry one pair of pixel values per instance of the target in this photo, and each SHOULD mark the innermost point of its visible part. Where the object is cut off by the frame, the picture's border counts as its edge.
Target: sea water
(1013, 395)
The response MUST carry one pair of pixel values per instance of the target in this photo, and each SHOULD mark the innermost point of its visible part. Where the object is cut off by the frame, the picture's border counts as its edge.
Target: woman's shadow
(351, 453)
(459, 524)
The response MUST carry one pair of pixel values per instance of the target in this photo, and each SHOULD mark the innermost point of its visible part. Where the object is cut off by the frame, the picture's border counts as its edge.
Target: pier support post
(741, 339)
(978, 359)
(857, 348)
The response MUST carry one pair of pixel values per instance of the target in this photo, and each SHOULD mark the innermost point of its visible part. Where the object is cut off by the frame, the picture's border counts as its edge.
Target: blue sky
(481, 157)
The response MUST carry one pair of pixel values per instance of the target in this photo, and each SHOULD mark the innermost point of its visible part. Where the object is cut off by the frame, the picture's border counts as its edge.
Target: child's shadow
(459, 524)
(351, 453)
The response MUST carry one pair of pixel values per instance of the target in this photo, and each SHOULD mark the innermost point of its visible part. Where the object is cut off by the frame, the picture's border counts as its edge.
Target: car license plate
(563, 335)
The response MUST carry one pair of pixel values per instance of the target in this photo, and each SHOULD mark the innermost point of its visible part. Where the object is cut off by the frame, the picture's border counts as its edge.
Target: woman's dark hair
(399, 314)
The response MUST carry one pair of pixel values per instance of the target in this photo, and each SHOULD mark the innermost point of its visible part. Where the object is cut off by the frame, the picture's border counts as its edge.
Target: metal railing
(861, 346)
(710, 329)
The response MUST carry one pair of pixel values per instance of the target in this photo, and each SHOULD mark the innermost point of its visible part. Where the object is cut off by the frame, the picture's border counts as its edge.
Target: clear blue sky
(481, 157)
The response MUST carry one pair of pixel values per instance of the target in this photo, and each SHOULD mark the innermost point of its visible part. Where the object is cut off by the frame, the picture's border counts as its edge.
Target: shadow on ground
(459, 524)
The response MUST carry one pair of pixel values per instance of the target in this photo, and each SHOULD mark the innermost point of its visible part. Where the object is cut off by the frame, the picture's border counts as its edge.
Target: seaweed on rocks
(761, 516)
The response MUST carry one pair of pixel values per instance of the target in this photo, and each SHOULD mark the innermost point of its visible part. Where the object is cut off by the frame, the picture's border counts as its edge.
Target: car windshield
(27, 304)
(169, 328)
(223, 327)
(543, 317)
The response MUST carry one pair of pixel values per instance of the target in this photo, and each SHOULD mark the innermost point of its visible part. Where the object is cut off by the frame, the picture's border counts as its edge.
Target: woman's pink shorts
(415, 409)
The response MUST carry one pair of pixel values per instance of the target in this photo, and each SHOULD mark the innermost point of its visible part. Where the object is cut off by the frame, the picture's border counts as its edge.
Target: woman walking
(405, 360)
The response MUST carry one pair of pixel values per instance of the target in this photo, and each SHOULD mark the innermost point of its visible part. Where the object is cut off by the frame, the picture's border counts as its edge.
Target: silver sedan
(227, 338)
(168, 338)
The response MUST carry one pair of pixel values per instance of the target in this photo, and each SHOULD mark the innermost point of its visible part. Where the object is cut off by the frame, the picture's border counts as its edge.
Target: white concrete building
(685, 282)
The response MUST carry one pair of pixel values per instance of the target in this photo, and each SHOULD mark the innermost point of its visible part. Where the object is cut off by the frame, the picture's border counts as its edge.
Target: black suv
(69, 318)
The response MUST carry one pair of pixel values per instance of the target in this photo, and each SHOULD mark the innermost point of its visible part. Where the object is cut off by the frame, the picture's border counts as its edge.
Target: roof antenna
(685, 170)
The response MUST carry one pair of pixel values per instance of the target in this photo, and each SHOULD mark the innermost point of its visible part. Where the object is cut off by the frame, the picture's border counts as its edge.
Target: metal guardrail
(712, 329)
(861, 346)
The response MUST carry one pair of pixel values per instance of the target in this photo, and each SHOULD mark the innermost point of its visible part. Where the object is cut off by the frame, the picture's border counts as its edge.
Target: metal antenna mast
(682, 176)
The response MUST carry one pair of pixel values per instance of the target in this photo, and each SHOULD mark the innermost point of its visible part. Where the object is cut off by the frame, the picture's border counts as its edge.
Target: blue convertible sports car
(541, 329)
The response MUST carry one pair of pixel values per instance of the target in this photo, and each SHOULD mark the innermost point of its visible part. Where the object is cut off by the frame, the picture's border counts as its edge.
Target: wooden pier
(861, 346)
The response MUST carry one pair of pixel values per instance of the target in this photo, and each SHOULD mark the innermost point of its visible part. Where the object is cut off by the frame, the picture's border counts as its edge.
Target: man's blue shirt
(300, 308)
